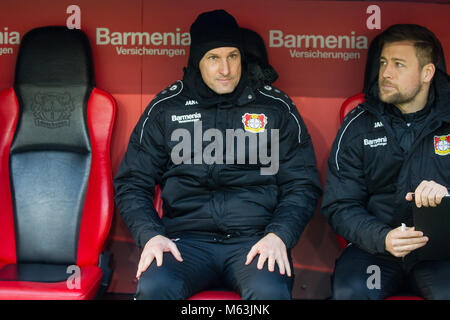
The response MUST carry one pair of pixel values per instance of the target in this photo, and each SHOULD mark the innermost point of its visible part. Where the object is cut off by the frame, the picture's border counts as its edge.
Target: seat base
(216, 295)
(90, 277)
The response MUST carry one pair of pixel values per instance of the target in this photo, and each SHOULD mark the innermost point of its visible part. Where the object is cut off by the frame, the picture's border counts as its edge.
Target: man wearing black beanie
(229, 207)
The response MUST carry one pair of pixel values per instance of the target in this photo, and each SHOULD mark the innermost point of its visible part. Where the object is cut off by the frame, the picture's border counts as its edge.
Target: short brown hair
(428, 47)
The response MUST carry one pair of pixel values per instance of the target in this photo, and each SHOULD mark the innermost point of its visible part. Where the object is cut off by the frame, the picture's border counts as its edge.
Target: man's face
(221, 69)
(399, 80)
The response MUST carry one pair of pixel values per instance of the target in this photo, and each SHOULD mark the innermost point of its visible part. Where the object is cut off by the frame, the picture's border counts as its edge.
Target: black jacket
(229, 198)
(372, 167)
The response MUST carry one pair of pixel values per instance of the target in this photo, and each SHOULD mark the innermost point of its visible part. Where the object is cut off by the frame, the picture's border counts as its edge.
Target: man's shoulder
(172, 91)
(358, 122)
(276, 97)
(172, 95)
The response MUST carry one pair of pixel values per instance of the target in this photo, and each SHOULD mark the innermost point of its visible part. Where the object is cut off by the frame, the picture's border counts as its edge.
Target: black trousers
(355, 272)
(213, 262)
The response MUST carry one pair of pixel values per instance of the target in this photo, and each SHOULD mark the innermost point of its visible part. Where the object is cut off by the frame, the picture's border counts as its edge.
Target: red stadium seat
(216, 295)
(203, 295)
(56, 191)
(347, 106)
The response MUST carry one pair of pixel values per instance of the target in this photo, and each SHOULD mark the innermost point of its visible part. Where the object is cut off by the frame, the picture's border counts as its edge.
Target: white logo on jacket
(376, 142)
(187, 117)
(378, 124)
(191, 102)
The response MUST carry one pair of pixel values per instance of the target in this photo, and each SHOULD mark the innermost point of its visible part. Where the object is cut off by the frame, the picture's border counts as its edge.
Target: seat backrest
(59, 172)
(157, 202)
(349, 104)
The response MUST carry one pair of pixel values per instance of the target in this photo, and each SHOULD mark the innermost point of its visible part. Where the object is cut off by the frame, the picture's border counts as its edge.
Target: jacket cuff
(282, 233)
(145, 236)
(381, 243)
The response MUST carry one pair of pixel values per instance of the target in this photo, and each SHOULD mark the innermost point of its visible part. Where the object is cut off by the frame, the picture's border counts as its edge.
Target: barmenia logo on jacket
(373, 143)
(254, 122)
(442, 145)
(187, 117)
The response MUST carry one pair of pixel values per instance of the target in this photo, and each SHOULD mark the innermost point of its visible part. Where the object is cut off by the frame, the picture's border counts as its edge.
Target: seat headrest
(55, 55)
(54, 80)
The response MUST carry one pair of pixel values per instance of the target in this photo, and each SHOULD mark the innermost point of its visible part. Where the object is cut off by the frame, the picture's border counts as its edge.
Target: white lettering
(373, 21)
(105, 37)
(187, 117)
(74, 281)
(194, 310)
(277, 39)
(12, 37)
(374, 281)
(376, 142)
(74, 20)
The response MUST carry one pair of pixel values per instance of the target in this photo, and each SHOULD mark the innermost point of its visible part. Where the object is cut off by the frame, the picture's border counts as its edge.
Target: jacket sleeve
(297, 179)
(346, 193)
(140, 171)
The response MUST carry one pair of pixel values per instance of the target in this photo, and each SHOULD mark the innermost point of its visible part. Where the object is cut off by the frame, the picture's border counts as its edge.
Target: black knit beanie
(211, 30)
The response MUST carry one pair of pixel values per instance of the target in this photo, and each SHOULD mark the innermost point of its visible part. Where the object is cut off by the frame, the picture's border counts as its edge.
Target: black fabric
(34, 272)
(369, 173)
(259, 71)
(213, 262)
(54, 55)
(48, 197)
(226, 197)
(52, 118)
(53, 81)
(372, 64)
(355, 275)
(50, 154)
(407, 127)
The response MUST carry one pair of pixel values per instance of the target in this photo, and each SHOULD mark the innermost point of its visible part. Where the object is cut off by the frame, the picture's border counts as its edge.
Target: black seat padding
(51, 154)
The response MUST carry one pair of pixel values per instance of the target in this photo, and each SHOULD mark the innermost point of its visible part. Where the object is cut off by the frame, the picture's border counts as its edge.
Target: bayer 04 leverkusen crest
(442, 145)
(254, 122)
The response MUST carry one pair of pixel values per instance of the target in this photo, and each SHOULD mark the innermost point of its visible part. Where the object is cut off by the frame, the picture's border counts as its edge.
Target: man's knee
(267, 288)
(437, 292)
(159, 286)
(355, 288)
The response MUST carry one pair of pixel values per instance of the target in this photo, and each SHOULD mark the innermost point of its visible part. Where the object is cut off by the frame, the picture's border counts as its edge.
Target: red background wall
(317, 86)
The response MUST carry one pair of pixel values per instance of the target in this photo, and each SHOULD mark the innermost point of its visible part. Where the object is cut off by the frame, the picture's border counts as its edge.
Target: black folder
(434, 222)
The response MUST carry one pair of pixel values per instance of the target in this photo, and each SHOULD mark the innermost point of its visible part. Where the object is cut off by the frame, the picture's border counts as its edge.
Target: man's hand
(400, 243)
(428, 193)
(154, 248)
(270, 247)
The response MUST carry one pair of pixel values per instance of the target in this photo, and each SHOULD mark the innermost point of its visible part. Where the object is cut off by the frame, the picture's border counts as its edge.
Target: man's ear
(428, 71)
